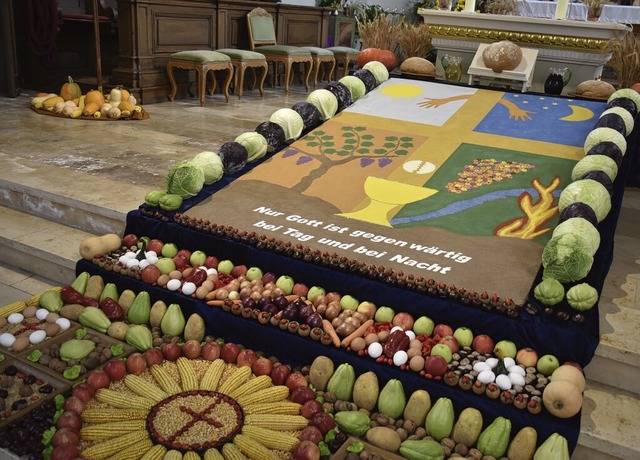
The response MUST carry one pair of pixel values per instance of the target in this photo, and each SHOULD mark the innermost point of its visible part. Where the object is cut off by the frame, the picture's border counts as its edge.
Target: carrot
(219, 303)
(328, 328)
(359, 332)
(292, 298)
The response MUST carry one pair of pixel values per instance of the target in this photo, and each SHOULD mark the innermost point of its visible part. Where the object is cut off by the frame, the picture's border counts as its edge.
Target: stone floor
(80, 177)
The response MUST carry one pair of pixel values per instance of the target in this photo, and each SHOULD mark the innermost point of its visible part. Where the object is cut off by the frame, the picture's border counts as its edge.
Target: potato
(320, 372)
(384, 438)
(71, 311)
(118, 330)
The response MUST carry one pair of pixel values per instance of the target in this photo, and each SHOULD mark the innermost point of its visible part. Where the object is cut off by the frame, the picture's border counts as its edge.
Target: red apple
(300, 289)
(65, 452)
(74, 404)
(115, 369)
(324, 422)
(262, 366)
(230, 352)
(136, 363)
(404, 320)
(483, 344)
(269, 277)
(239, 270)
(99, 379)
(191, 349)
(84, 391)
(211, 262)
(435, 365)
(69, 419)
(442, 330)
(311, 433)
(311, 408)
(185, 254)
(210, 351)
(130, 240)
(155, 245)
(332, 297)
(295, 380)
(528, 357)
(451, 342)
(306, 450)
(150, 274)
(246, 357)
(301, 394)
(171, 351)
(280, 373)
(153, 356)
(65, 436)
(180, 262)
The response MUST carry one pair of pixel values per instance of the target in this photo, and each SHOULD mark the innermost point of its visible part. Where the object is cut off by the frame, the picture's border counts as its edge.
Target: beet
(625, 103)
(609, 149)
(578, 209)
(601, 177)
(613, 121)
(367, 78)
(342, 94)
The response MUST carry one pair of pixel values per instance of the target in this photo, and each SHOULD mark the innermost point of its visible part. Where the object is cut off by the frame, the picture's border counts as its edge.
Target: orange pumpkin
(94, 96)
(125, 94)
(70, 90)
(636, 86)
(386, 57)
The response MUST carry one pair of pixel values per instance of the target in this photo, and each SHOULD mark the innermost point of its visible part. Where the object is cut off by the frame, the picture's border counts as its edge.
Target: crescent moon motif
(578, 113)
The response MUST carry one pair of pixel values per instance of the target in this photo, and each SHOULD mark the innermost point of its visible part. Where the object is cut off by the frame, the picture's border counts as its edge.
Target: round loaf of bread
(595, 89)
(418, 66)
(502, 55)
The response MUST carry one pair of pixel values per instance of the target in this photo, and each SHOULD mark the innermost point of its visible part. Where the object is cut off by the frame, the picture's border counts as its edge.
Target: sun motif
(402, 91)
(195, 407)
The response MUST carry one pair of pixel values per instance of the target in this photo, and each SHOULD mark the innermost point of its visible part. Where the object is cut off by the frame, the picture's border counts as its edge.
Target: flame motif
(536, 215)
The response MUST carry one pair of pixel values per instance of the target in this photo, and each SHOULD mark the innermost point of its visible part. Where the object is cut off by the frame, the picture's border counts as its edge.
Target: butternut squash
(562, 398)
(570, 373)
(95, 246)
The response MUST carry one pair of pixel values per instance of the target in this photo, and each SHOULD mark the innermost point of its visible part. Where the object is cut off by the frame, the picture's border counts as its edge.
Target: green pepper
(34, 356)
(59, 401)
(47, 436)
(330, 436)
(324, 449)
(117, 349)
(356, 448)
(72, 373)
(80, 333)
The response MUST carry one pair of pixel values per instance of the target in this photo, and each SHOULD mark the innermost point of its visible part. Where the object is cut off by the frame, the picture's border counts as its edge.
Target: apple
(384, 314)
(302, 393)
(404, 320)
(464, 336)
(191, 349)
(238, 271)
(528, 357)
(262, 366)
(310, 408)
(442, 330)
(451, 342)
(435, 365)
(136, 363)
(181, 262)
(315, 291)
(230, 352)
(423, 325)
(150, 274)
(74, 404)
(483, 344)
(246, 357)
(348, 302)
(254, 273)
(306, 450)
(184, 253)
(69, 419)
(300, 289)
(547, 364)
(99, 379)
(296, 379)
(210, 351)
(310, 433)
(171, 351)
(505, 349)
(165, 265)
(84, 391)
(211, 262)
(153, 356)
(286, 283)
(268, 277)
(280, 373)
(115, 369)
(225, 266)
(440, 349)
(155, 245)
(65, 436)
(197, 258)
(324, 422)
(130, 240)
(367, 308)
(169, 250)
(65, 452)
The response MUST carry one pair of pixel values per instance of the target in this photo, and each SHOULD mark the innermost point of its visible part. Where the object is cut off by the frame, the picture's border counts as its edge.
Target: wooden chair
(320, 57)
(344, 55)
(262, 37)
(243, 60)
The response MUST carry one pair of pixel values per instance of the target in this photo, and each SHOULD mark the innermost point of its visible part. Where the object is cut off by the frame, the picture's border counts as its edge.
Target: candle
(470, 6)
(561, 9)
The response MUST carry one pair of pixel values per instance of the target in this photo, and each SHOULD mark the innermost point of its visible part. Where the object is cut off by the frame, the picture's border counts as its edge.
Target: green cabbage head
(582, 297)
(566, 258)
(582, 227)
(211, 165)
(378, 70)
(185, 179)
(589, 192)
(325, 102)
(549, 292)
(290, 121)
(255, 143)
(355, 85)
(595, 163)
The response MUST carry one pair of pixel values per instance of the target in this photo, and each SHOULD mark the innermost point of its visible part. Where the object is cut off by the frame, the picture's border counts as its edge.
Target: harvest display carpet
(452, 183)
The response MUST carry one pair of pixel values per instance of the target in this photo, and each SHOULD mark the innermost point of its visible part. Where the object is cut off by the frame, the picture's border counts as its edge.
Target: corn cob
(270, 438)
(211, 377)
(111, 429)
(277, 421)
(256, 384)
(164, 379)
(108, 448)
(231, 452)
(237, 378)
(213, 454)
(190, 455)
(144, 388)
(188, 377)
(122, 401)
(172, 455)
(273, 394)
(253, 449)
(282, 407)
(155, 453)
(14, 307)
(134, 452)
(99, 415)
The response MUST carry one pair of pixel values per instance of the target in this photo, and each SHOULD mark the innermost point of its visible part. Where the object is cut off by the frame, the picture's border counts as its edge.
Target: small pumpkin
(125, 94)
(90, 108)
(562, 398)
(70, 90)
(126, 107)
(386, 57)
(94, 96)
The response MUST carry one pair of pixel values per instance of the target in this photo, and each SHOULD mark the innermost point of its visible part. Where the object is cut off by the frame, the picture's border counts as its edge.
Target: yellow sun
(402, 91)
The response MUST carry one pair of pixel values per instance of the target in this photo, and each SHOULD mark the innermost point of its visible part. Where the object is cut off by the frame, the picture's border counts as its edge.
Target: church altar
(577, 45)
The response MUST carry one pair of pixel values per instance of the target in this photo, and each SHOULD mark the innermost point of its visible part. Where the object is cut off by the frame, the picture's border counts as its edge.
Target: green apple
(547, 364)
(440, 349)
(225, 266)
(169, 250)
(286, 283)
(165, 265)
(197, 258)
(423, 325)
(464, 336)
(505, 349)
(348, 302)
(315, 291)
(384, 314)
(254, 273)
